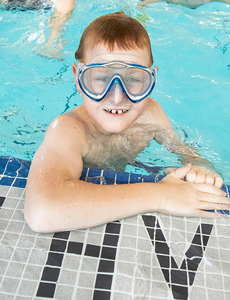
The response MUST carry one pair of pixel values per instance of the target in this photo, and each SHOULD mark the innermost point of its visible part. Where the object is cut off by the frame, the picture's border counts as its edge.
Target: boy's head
(114, 75)
(115, 30)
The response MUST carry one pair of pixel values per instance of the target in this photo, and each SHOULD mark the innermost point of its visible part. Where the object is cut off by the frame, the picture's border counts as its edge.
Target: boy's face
(115, 112)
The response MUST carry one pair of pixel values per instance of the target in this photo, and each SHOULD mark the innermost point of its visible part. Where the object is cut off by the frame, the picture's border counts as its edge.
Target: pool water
(190, 46)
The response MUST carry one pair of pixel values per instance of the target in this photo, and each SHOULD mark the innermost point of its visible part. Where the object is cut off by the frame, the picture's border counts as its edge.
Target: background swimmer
(62, 13)
(186, 3)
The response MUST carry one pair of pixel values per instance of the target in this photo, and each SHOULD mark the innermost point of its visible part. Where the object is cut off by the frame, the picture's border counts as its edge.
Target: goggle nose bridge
(116, 79)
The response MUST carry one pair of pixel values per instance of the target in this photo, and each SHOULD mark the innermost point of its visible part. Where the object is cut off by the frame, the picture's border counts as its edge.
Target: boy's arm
(56, 200)
(203, 170)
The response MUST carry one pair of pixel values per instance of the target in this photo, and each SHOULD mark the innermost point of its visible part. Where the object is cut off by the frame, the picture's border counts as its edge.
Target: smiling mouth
(114, 111)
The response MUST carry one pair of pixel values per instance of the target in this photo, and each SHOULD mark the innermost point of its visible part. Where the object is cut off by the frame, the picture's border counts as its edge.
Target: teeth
(114, 111)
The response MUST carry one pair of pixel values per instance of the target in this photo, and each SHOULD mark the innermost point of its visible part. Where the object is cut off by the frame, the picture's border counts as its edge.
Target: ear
(74, 68)
(156, 68)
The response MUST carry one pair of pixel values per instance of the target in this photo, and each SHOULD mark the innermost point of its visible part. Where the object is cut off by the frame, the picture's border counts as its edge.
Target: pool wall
(150, 256)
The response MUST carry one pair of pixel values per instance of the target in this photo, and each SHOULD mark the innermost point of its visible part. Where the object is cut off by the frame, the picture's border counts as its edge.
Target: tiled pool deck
(151, 256)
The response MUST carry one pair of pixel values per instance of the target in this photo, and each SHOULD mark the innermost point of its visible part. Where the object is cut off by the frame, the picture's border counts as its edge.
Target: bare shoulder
(70, 130)
(157, 114)
(64, 145)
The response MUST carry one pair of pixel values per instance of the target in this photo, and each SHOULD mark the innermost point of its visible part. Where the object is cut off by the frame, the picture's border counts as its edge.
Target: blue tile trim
(14, 172)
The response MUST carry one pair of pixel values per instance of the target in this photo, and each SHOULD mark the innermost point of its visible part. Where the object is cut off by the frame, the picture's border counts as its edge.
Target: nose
(116, 94)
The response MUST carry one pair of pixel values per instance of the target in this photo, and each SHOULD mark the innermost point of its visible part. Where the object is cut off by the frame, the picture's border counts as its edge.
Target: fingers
(217, 199)
(209, 215)
(209, 189)
(218, 181)
(203, 175)
(180, 172)
(195, 175)
(213, 206)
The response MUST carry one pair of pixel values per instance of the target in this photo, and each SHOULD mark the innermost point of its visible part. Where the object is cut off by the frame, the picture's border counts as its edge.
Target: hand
(203, 175)
(199, 174)
(183, 198)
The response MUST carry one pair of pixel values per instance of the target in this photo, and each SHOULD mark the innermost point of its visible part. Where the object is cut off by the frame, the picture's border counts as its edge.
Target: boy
(116, 122)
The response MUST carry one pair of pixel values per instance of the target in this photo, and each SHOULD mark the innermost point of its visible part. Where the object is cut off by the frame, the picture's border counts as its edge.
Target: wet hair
(114, 30)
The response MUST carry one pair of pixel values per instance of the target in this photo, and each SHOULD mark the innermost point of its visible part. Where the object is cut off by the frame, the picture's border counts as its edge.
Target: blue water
(190, 46)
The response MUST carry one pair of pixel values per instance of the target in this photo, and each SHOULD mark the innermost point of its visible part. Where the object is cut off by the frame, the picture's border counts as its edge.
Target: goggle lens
(97, 79)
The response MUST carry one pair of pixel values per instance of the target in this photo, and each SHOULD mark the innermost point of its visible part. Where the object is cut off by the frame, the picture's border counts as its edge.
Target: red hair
(112, 30)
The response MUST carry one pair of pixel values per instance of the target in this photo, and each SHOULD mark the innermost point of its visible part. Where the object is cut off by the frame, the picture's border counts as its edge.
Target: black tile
(75, 247)
(113, 228)
(164, 261)
(101, 295)
(64, 235)
(162, 248)
(110, 240)
(92, 250)
(193, 264)
(205, 239)
(2, 199)
(106, 266)
(150, 221)
(197, 239)
(50, 274)
(55, 259)
(46, 290)
(151, 233)
(179, 276)
(160, 235)
(103, 282)
(174, 264)
(58, 245)
(180, 292)
(206, 229)
(166, 274)
(191, 277)
(108, 253)
(194, 250)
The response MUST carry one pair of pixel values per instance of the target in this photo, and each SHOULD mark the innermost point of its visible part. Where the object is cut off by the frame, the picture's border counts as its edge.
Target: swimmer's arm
(64, 6)
(203, 170)
(146, 2)
(56, 200)
(63, 12)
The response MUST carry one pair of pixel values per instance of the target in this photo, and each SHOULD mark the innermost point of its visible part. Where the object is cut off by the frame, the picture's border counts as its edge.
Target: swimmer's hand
(203, 175)
(183, 198)
(48, 51)
(199, 174)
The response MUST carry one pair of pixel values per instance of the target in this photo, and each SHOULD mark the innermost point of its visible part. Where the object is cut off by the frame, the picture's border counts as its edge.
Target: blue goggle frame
(116, 78)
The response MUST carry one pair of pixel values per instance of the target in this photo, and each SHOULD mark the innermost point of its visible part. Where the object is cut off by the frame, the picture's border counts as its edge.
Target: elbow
(36, 218)
(64, 7)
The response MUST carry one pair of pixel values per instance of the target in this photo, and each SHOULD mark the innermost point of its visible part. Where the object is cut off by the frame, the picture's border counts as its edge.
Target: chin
(109, 129)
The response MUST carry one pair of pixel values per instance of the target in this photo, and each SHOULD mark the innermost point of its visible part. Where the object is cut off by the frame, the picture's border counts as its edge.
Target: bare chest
(116, 151)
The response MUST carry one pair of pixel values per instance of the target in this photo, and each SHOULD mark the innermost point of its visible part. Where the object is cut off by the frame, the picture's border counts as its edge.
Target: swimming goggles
(97, 79)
